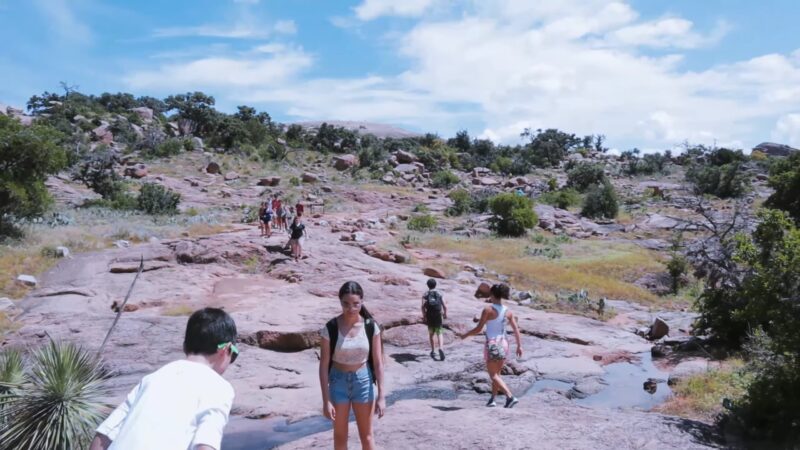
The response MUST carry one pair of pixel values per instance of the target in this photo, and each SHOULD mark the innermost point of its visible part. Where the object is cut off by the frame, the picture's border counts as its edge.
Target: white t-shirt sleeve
(324, 333)
(211, 420)
(377, 329)
(111, 426)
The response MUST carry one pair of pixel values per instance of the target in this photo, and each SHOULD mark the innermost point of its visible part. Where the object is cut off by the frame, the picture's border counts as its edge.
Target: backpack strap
(370, 329)
(333, 335)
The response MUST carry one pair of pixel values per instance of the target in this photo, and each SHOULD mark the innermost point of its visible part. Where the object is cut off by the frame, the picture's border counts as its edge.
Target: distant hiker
(495, 316)
(300, 208)
(434, 309)
(262, 215)
(298, 230)
(281, 214)
(266, 219)
(276, 204)
(185, 404)
(350, 364)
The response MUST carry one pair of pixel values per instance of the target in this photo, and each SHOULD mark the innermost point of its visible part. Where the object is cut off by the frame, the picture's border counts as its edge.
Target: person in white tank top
(495, 316)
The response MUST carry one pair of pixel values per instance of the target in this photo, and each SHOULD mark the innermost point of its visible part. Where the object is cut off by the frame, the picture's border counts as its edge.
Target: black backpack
(433, 303)
(333, 334)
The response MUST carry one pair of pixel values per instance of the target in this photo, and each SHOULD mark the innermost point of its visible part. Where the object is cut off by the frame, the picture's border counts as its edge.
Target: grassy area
(700, 396)
(604, 269)
(178, 310)
(15, 261)
(7, 326)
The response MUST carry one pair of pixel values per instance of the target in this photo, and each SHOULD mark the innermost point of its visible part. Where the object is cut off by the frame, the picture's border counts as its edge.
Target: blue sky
(648, 74)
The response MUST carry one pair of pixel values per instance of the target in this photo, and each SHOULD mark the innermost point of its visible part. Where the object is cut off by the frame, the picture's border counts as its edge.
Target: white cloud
(223, 72)
(667, 32)
(240, 30)
(584, 66)
(64, 20)
(372, 9)
(787, 130)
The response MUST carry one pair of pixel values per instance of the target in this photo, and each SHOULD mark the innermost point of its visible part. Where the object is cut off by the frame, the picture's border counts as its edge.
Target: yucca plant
(12, 374)
(58, 404)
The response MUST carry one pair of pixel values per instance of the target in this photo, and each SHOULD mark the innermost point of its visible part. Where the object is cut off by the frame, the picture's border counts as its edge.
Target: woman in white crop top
(495, 316)
(348, 368)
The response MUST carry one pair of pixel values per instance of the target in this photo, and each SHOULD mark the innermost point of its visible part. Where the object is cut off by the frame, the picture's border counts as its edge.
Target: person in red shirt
(299, 208)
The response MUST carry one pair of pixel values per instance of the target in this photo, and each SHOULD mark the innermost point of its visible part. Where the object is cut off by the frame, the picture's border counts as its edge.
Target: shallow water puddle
(626, 386)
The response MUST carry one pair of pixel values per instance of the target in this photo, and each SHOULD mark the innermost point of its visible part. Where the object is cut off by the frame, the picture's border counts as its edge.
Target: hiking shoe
(441, 354)
(510, 402)
(491, 403)
(433, 354)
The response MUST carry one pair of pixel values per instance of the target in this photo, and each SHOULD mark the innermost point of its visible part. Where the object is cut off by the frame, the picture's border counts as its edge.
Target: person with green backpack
(434, 310)
(350, 367)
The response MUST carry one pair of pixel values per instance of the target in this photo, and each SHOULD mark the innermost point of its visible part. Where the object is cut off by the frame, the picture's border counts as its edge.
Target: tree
(601, 202)
(758, 304)
(461, 142)
(785, 179)
(97, 172)
(585, 175)
(156, 199)
(513, 214)
(550, 147)
(197, 108)
(725, 181)
(27, 156)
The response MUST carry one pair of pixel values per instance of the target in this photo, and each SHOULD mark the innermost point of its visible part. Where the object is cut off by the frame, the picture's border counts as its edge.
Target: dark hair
(353, 288)
(431, 283)
(206, 329)
(500, 290)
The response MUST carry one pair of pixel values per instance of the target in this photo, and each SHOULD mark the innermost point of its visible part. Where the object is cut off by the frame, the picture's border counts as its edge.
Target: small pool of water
(546, 384)
(626, 386)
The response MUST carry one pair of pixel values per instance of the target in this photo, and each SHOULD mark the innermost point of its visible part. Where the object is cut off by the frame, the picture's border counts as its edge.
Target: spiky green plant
(58, 405)
(11, 377)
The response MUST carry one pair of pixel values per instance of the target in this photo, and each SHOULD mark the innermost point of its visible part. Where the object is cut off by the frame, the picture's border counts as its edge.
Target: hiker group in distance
(186, 403)
(275, 216)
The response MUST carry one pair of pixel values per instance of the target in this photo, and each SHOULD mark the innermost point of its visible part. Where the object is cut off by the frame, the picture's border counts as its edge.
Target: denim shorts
(351, 387)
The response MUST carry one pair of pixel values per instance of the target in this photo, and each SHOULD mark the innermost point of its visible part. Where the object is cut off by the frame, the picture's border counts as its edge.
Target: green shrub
(585, 175)
(601, 202)
(444, 179)
(502, 164)
(564, 198)
(725, 181)
(27, 156)
(552, 184)
(156, 199)
(513, 214)
(785, 179)
(425, 222)
(169, 147)
(294, 181)
(649, 164)
(420, 208)
(462, 202)
(677, 268)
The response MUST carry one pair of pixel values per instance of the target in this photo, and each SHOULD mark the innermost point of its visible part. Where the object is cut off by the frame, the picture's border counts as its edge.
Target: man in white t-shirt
(185, 404)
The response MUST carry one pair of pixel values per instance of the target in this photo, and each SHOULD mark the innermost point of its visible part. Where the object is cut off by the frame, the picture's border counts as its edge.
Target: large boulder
(137, 171)
(212, 168)
(484, 291)
(270, 181)
(407, 168)
(658, 329)
(404, 157)
(103, 134)
(144, 113)
(197, 143)
(344, 162)
(434, 273)
(773, 149)
(309, 177)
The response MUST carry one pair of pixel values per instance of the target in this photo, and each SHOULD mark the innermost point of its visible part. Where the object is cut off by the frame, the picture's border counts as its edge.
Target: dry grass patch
(178, 310)
(204, 229)
(15, 261)
(605, 269)
(699, 397)
(7, 326)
